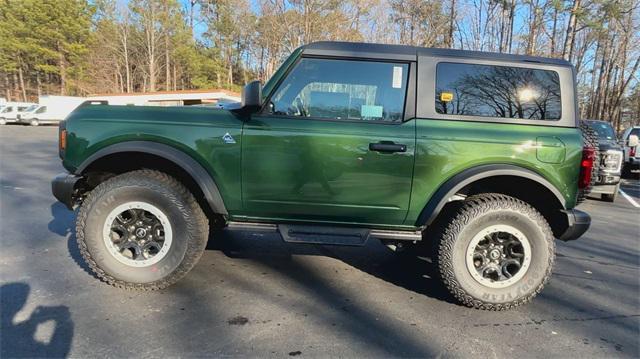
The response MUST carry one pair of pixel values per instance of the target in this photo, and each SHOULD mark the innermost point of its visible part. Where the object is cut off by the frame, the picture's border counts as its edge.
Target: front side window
(497, 91)
(343, 90)
(42, 109)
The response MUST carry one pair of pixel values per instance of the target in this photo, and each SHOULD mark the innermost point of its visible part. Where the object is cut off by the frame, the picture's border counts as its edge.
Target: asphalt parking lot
(253, 295)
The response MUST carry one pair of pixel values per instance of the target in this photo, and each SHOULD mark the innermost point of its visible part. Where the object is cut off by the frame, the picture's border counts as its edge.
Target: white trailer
(51, 109)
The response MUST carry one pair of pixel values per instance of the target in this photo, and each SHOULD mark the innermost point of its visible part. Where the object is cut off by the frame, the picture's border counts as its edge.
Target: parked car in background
(629, 140)
(609, 163)
(9, 114)
(52, 109)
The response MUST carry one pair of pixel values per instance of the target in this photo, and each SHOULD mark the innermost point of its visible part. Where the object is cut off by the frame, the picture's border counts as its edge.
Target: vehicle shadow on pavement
(63, 223)
(26, 338)
(335, 306)
(412, 270)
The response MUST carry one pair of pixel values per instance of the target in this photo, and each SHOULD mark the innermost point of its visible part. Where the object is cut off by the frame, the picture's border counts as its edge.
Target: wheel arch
(512, 180)
(131, 155)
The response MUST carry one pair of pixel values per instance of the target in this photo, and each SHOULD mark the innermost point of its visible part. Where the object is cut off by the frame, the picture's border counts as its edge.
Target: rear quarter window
(497, 91)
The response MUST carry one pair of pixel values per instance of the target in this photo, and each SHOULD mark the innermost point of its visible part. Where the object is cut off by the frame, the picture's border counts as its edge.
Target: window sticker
(397, 77)
(371, 111)
(446, 96)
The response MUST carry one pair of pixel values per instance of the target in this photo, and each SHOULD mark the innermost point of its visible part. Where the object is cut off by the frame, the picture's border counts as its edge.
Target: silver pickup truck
(631, 151)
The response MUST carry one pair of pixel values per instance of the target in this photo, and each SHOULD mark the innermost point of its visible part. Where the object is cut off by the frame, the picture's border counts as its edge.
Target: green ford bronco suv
(481, 155)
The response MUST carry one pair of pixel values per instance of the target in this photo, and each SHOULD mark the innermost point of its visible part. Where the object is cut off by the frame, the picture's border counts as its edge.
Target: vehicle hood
(605, 144)
(152, 114)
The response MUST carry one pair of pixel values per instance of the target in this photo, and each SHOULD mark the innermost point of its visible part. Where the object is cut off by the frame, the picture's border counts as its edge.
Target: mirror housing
(252, 95)
(633, 141)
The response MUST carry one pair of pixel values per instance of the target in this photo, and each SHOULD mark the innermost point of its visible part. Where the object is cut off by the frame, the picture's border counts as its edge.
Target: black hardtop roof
(410, 53)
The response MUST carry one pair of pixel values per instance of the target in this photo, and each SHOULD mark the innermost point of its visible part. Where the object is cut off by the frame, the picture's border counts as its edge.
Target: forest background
(81, 47)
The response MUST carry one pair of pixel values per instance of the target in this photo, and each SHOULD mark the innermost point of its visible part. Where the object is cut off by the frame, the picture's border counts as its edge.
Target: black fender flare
(454, 184)
(178, 157)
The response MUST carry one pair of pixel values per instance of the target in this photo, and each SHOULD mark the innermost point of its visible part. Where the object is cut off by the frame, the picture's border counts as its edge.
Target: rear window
(497, 91)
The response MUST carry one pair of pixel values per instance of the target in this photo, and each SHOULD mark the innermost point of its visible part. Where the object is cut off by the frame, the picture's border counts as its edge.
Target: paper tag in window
(397, 77)
(371, 111)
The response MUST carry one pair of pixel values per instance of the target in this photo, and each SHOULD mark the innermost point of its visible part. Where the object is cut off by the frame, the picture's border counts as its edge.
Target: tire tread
(198, 226)
(472, 208)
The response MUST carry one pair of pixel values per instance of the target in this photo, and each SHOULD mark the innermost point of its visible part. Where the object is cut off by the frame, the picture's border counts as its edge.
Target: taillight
(632, 151)
(586, 166)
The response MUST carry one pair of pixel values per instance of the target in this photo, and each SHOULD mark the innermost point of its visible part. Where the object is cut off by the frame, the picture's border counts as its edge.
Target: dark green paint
(297, 169)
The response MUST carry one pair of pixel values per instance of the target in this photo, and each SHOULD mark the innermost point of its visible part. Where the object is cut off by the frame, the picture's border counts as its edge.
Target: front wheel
(496, 253)
(34, 122)
(3, 121)
(141, 230)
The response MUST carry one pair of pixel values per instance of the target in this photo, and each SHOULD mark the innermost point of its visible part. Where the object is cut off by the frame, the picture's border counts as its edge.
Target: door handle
(387, 146)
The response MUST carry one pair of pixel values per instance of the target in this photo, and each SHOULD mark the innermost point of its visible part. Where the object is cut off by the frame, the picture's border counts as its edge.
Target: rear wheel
(496, 253)
(34, 122)
(3, 121)
(141, 230)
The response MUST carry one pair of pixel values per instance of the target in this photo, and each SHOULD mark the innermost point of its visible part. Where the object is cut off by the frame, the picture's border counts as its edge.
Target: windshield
(604, 130)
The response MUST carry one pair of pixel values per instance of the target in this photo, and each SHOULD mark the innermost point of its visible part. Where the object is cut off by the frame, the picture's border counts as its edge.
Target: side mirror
(252, 95)
(633, 141)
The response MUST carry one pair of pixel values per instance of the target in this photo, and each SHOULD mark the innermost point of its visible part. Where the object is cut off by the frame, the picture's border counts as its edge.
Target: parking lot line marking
(631, 200)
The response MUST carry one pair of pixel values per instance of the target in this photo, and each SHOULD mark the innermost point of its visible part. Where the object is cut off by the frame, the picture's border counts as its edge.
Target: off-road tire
(476, 213)
(590, 139)
(189, 223)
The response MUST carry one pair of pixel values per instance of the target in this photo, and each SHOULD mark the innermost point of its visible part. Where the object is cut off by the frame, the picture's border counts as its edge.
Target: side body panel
(445, 148)
(318, 170)
(198, 132)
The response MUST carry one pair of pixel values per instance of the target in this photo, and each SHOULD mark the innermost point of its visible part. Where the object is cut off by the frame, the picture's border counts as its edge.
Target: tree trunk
(63, 75)
(7, 86)
(125, 51)
(452, 20)
(175, 78)
(512, 13)
(38, 84)
(22, 89)
(167, 63)
(554, 29)
(571, 31)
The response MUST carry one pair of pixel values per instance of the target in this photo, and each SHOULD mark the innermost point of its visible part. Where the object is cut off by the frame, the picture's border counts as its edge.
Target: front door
(331, 145)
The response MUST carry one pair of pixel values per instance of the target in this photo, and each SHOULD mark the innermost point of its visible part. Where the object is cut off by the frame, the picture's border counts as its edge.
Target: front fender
(179, 158)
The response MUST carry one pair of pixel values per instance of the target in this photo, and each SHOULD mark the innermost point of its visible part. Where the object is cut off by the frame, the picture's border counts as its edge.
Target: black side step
(340, 236)
(323, 235)
(252, 226)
